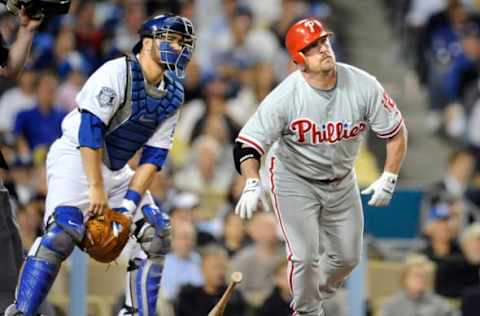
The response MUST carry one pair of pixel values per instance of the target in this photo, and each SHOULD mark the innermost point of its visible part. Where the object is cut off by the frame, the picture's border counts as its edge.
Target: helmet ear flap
(300, 58)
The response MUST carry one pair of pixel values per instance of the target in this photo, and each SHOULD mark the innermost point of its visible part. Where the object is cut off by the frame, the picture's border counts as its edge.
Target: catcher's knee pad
(64, 230)
(153, 232)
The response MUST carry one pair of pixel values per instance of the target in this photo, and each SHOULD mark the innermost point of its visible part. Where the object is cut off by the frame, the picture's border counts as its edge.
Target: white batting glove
(252, 193)
(382, 189)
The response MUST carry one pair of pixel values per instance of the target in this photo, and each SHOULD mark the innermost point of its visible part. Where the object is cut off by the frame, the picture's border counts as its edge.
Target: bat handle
(219, 309)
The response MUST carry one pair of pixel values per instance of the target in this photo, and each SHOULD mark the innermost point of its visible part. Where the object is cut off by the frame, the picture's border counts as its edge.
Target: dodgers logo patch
(106, 97)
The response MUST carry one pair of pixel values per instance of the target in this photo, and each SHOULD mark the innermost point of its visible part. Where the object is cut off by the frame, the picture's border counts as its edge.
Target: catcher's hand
(106, 235)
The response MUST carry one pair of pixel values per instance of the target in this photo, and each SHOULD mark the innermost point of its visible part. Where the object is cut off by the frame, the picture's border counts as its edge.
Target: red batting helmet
(302, 34)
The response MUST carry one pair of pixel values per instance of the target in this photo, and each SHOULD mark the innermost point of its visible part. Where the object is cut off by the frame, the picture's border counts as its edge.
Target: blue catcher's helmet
(160, 27)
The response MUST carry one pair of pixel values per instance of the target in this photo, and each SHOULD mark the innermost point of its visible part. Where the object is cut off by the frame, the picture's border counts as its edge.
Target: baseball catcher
(129, 104)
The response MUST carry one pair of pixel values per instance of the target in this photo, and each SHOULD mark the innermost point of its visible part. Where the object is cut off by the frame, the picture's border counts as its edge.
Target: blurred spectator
(41, 125)
(462, 74)
(456, 273)
(235, 190)
(29, 218)
(234, 234)
(438, 47)
(185, 206)
(256, 82)
(416, 297)
(278, 303)
(63, 56)
(453, 186)
(192, 82)
(126, 33)
(265, 12)
(204, 175)
(89, 37)
(471, 301)
(162, 189)
(258, 261)
(16, 99)
(442, 229)
(242, 46)
(216, 122)
(182, 264)
(200, 113)
(69, 89)
(464, 68)
(292, 11)
(420, 11)
(212, 18)
(199, 300)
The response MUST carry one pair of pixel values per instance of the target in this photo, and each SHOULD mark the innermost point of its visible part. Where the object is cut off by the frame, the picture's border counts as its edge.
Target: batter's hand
(252, 192)
(382, 189)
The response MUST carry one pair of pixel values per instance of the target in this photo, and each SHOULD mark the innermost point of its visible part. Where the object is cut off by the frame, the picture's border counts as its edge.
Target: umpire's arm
(20, 49)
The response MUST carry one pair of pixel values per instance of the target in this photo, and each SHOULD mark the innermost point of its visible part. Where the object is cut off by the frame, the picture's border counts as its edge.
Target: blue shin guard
(153, 235)
(45, 257)
(147, 284)
(36, 278)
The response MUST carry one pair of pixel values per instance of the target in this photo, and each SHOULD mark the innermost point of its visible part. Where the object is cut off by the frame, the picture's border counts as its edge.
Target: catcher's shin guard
(144, 275)
(45, 257)
(143, 287)
(36, 278)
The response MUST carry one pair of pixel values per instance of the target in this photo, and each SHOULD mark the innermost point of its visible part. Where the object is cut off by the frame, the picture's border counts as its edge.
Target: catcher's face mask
(175, 39)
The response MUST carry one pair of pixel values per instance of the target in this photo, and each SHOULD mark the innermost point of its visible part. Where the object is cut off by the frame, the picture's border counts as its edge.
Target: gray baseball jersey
(316, 133)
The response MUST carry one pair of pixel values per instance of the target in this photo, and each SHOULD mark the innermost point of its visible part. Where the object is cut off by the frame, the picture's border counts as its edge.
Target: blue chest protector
(137, 119)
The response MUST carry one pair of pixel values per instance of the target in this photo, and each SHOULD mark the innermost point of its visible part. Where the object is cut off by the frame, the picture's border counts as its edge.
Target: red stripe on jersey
(392, 132)
(254, 144)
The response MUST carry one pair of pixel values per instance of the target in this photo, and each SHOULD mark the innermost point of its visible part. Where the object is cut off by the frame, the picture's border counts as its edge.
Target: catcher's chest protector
(143, 111)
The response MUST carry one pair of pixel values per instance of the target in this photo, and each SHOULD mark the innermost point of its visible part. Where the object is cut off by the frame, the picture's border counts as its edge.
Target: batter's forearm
(396, 151)
(92, 162)
(143, 178)
(250, 168)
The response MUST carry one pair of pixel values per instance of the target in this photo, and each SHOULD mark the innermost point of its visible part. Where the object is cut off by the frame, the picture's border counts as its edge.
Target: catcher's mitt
(106, 235)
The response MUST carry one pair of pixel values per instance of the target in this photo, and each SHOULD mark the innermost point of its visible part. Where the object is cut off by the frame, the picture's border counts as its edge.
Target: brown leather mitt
(106, 235)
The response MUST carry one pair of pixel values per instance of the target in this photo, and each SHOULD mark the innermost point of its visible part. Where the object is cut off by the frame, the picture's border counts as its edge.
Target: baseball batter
(311, 126)
(128, 104)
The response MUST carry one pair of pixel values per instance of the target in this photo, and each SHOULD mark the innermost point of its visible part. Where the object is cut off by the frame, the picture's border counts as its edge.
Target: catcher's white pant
(68, 185)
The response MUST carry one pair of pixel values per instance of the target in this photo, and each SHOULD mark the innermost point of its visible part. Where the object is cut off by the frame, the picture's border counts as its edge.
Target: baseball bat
(219, 309)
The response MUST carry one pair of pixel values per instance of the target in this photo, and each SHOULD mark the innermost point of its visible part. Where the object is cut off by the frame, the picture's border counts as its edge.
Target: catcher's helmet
(159, 27)
(302, 34)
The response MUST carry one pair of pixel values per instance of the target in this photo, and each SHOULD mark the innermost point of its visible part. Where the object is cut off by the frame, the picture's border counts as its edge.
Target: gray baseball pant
(323, 228)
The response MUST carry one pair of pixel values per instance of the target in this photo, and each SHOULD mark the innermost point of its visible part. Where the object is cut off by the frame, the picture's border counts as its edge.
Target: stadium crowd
(239, 58)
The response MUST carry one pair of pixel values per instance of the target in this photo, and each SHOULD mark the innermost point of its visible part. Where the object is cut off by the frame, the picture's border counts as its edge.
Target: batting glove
(252, 193)
(382, 189)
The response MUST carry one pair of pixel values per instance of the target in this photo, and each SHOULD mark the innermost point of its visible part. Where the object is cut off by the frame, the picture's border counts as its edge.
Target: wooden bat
(219, 309)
